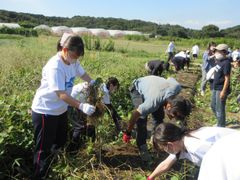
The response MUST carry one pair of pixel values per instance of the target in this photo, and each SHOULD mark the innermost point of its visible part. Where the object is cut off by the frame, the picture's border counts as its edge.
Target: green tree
(211, 31)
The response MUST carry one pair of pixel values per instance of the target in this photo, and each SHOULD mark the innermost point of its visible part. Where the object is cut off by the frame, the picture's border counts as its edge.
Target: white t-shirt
(171, 47)
(200, 141)
(195, 49)
(106, 97)
(81, 92)
(181, 54)
(235, 55)
(56, 76)
(221, 162)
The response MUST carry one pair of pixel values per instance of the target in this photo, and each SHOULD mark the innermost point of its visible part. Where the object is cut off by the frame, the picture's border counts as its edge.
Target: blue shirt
(208, 62)
(155, 91)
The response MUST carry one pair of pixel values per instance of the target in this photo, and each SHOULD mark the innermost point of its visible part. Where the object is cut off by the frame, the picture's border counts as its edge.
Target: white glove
(87, 108)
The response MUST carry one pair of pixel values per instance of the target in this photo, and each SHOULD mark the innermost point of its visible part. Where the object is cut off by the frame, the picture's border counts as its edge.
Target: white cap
(221, 47)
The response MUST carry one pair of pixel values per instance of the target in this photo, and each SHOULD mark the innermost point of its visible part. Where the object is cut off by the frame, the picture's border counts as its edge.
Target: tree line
(27, 20)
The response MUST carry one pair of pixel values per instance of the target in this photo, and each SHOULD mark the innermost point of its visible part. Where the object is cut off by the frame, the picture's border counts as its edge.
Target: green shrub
(97, 44)
(109, 46)
(87, 42)
(20, 31)
(43, 32)
(136, 37)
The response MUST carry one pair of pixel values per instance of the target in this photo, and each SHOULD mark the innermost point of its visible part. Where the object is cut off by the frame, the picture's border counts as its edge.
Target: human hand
(222, 95)
(126, 137)
(212, 56)
(148, 178)
(87, 108)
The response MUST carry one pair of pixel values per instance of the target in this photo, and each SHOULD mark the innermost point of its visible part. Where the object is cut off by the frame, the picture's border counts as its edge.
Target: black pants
(179, 63)
(170, 56)
(50, 133)
(79, 125)
(157, 116)
(187, 62)
(114, 115)
(78, 120)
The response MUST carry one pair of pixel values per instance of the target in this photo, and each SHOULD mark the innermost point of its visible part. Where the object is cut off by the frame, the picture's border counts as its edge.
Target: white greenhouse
(116, 33)
(100, 33)
(43, 27)
(59, 30)
(81, 31)
(10, 25)
(133, 33)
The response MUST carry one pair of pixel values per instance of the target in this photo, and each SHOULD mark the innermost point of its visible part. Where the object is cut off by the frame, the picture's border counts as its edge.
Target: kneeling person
(156, 67)
(81, 92)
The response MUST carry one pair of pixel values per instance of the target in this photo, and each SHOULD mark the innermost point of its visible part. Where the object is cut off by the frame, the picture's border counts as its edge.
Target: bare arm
(225, 86)
(68, 99)
(134, 117)
(163, 167)
(86, 77)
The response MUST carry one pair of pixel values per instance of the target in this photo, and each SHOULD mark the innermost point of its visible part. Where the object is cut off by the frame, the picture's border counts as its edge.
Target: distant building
(100, 33)
(59, 30)
(10, 25)
(133, 33)
(116, 33)
(81, 31)
(43, 27)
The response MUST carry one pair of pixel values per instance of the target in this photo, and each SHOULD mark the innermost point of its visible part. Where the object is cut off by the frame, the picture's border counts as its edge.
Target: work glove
(126, 137)
(87, 108)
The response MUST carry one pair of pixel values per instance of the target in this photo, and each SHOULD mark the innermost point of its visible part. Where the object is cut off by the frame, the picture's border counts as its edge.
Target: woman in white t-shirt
(50, 103)
(191, 145)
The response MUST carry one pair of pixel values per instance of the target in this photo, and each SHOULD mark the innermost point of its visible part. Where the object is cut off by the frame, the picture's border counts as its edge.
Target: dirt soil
(126, 157)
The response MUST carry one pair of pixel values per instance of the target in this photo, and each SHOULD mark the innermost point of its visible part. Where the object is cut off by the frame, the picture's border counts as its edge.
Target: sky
(192, 14)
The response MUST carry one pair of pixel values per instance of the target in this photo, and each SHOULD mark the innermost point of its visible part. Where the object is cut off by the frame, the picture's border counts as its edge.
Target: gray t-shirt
(155, 91)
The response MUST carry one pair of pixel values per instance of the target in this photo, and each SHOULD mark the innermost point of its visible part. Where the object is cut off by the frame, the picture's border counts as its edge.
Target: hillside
(233, 32)
(76, 21)
(28, 20)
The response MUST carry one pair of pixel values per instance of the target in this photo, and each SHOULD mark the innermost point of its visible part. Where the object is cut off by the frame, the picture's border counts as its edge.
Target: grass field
(22, 60)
